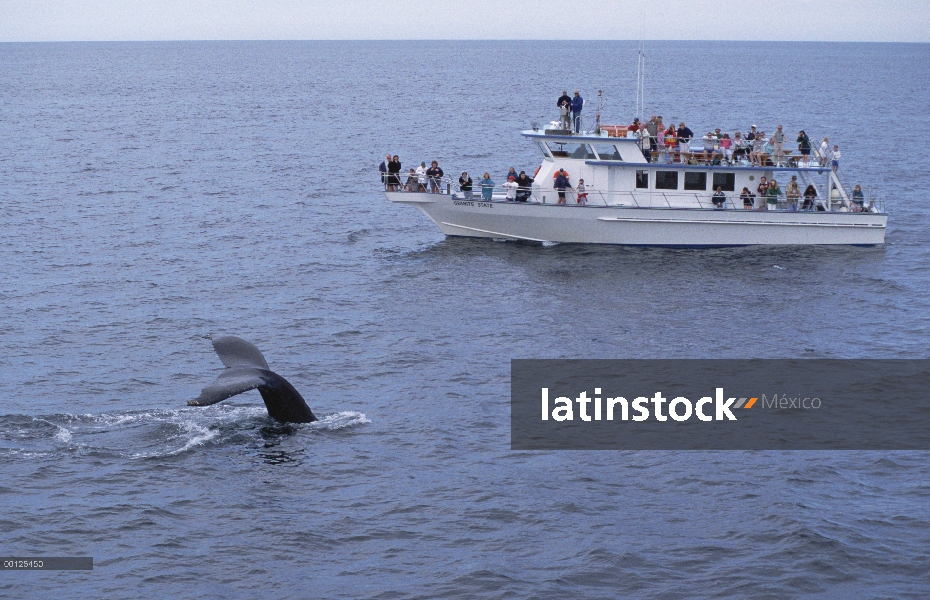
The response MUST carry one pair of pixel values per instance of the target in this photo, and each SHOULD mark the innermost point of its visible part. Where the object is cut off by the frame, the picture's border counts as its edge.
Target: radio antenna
(641, 71)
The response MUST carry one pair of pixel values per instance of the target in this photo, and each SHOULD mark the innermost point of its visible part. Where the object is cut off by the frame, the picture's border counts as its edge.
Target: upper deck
(608, 150)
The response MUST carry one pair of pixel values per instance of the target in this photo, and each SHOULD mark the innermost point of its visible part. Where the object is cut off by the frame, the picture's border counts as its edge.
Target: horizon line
(169, 40)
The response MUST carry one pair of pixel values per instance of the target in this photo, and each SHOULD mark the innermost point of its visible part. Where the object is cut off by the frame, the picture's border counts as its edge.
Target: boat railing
(839, 201)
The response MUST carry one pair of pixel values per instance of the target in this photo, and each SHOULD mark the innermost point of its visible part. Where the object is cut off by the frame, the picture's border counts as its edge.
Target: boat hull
(644, 226)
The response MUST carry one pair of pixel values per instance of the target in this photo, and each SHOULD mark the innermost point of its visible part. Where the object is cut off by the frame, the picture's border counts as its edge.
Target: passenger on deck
(810, 196)
(487, 187)
(709, 142)
(562, 184)
(394, 174)
(793, 193)
(421, 175)
(824, 151)
(465, 185)
(719, 198)
(653, 130)
(758, 145)
(524, 187)
(671, 142)
(511, 187)
(739, 147)
(565, 110)
(577, 105)
(748, 198)
(762, 189)
(661, 154)
(413, 184)
(751, 136)
(835, 158)
(643, 135)
(634, 128)
(434, 174)
(772, 194)
(563, 99)
(511, 172)
(684, 137)
(858, 199)
(804, 145)
(726, 147)
(582, 194)
(778, 146)
(383, 168)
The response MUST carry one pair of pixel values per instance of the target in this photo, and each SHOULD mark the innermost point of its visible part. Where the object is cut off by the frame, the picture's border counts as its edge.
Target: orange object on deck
(615, 130)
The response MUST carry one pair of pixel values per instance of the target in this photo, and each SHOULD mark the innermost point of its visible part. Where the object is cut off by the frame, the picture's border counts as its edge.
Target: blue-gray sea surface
(151, 193)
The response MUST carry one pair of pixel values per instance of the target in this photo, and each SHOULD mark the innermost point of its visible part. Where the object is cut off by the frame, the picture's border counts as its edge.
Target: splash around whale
(246, 369)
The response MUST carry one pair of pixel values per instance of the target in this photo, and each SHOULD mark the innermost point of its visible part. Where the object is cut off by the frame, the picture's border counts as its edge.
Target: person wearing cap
(577, 104)
(561, 184)
(511, 186)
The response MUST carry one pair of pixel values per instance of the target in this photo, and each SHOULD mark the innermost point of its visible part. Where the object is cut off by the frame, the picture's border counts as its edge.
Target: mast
(641, 71)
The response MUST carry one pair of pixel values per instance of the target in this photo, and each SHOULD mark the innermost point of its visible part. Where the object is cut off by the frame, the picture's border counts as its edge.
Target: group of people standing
(769, 193)
(671, 144)
(570, 111)
(517, 187)
(420, 179)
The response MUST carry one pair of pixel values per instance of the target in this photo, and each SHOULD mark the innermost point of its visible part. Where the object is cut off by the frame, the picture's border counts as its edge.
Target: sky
(770, 20)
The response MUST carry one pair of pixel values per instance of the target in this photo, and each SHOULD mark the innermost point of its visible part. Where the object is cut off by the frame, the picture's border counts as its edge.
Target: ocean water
(153, 193)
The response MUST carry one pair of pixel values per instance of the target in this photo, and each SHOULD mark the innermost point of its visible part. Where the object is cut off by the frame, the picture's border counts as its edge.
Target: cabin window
(571, 150)
(727, 181)
(642, 180)
(607, 152)
(696, 180)
(544, 150)
(666, 180)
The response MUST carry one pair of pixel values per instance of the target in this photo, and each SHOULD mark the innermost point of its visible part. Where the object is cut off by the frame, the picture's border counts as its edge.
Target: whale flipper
(246, 370)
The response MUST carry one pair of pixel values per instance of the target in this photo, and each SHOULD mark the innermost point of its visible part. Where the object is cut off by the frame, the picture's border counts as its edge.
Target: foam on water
(176, 430)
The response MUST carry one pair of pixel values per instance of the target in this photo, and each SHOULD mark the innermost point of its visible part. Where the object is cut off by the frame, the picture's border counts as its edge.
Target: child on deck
(582, 195)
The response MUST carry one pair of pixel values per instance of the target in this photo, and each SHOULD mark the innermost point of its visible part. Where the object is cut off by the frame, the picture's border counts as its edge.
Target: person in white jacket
(421, 175)
(511, 186)
(824, 151)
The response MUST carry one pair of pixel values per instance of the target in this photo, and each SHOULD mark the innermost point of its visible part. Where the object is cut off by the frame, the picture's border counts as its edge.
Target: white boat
(662, 202)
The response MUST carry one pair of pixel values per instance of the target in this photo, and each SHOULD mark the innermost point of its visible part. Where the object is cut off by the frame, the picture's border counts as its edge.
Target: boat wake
(154, 433)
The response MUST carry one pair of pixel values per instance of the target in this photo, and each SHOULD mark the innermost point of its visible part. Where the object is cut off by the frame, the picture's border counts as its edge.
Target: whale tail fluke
(246, 370)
